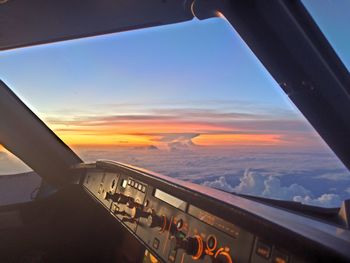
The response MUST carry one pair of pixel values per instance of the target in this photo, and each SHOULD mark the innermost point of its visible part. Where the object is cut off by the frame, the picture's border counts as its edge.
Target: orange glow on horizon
(106, 140)
(135, 133)
(120, 137)
(140, 127)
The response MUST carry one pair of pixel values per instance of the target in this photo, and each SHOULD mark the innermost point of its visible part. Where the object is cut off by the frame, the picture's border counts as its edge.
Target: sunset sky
(190, 101)
(192, 83)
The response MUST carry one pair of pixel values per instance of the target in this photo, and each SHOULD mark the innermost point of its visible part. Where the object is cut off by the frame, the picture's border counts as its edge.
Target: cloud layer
(9, 164)
(307, 177)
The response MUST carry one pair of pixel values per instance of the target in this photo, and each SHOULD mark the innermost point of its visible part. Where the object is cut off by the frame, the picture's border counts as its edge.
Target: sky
(195, 80)
(170, 97)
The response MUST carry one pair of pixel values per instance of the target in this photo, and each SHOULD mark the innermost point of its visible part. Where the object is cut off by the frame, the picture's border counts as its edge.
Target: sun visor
(25, 23)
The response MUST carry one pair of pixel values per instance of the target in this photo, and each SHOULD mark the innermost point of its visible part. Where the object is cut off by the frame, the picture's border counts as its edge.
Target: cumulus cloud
(327, 200)
(220, 183)
(270, 186)
(179, 141)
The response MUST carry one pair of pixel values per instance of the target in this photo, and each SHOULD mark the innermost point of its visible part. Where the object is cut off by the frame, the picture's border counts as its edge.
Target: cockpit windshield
(189, 100)
(18, 183)
(332, 17)
(10, 164)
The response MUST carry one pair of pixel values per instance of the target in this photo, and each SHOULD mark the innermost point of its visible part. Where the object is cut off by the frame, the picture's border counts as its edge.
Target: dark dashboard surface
(177, 224)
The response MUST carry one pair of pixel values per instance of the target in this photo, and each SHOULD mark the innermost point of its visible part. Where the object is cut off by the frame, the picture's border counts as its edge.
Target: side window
(18, 183)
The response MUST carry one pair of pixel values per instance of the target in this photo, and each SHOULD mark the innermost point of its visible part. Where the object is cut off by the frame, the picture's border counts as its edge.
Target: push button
(156, 243)
(280, 257)
(263, 250)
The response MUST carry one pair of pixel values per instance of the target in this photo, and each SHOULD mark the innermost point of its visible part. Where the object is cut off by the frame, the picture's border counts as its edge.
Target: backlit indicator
(263, 250)
(171, 200)
(280, 257)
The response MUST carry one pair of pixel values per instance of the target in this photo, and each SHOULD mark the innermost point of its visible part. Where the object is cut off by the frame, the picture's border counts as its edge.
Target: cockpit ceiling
(25, 23)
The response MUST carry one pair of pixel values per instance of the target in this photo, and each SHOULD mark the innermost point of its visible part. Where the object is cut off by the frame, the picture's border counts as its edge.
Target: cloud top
(269, 186)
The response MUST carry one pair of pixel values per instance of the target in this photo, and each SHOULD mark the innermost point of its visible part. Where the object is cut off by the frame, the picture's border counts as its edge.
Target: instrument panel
(174, 230)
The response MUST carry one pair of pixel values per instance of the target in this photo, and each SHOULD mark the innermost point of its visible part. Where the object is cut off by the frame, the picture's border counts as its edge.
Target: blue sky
(197, 60)
(193, 61)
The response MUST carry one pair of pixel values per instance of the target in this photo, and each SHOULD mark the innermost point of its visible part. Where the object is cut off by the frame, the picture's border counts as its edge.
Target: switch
(179, 224)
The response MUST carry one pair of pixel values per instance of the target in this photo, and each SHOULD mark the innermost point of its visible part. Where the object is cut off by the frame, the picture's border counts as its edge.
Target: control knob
(192, 245)
(110, 196)
(119, 198)
(124, 199)
(156, 221)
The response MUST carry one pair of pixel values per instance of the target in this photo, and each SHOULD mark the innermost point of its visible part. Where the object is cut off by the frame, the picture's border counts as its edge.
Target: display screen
(214, 221)
(171, 200)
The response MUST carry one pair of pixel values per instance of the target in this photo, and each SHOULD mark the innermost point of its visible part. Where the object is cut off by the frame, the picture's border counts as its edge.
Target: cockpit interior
(109, 211)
